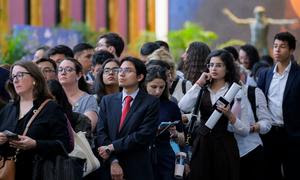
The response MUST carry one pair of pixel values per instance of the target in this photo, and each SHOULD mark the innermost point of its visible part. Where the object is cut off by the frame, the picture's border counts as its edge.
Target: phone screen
(11, 136)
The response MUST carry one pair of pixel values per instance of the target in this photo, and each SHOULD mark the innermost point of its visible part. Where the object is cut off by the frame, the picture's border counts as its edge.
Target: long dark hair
(195, 64)
(157, 72)
(252, 54)
(61, 98)
(232, 74)
(99, 86)
(40, 90)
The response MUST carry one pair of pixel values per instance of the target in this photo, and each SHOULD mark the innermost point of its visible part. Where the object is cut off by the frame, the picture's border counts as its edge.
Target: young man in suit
(127, 125)
(281, 85)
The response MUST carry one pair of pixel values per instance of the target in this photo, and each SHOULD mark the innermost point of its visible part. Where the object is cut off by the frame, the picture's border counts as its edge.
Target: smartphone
(11, 136)
(220, 102)
(167, 124)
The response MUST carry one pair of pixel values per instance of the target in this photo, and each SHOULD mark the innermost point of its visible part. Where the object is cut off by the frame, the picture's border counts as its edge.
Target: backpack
(252, 100)
(174, 84)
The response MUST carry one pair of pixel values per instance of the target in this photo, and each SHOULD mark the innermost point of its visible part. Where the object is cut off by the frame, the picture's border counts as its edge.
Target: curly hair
(195, 64)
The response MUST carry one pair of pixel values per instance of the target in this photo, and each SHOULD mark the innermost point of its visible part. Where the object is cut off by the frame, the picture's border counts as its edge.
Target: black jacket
(49, 126)
(132, 142)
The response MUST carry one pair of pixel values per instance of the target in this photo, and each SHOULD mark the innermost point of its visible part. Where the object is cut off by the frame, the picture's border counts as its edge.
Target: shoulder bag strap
(252, 100)
(35, 113)
(183, 84)
(172, 89)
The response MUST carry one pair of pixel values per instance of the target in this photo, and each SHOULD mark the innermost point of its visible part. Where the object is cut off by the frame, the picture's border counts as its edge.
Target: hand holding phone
(11, 136)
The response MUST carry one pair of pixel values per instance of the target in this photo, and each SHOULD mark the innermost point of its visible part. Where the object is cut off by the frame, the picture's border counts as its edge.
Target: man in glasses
(48, 68)
(127, 125)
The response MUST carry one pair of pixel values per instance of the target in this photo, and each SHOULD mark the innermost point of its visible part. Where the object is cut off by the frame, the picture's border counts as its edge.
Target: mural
(46, 36)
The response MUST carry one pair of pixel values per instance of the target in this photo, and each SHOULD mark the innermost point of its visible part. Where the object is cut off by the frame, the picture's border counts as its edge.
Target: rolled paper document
(215, 116)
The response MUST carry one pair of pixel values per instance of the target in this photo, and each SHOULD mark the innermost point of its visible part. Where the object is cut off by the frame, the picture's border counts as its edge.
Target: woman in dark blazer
(164, 163)
(29, 90)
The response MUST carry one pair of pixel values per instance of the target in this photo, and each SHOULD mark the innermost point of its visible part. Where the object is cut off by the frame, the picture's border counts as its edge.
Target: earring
(33, 83)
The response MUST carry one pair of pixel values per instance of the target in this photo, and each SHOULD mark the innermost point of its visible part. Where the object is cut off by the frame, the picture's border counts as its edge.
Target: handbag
(192, 128)
(82, 149)
(58, 167)
(7, 168)
(8, 164)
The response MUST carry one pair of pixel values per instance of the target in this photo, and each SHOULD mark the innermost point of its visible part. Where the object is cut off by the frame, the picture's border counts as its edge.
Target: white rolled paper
(215, 116)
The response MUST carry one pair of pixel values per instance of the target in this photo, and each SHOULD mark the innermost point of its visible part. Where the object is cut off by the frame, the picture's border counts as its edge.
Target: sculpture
(259, 26)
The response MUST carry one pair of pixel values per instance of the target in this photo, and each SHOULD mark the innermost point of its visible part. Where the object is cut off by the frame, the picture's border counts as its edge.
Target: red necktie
(125, 110)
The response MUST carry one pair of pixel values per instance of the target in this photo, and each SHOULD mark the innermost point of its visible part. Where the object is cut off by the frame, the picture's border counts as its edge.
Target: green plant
(15, 48)
(232, 42)
(146, 36)
(180, 39)
(88, 35)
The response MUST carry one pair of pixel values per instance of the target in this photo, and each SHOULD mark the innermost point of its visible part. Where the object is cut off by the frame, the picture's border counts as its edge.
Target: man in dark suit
(127, 125)
(281, 85)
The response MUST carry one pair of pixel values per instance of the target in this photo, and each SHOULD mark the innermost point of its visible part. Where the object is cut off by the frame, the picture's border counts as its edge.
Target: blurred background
(28, 24)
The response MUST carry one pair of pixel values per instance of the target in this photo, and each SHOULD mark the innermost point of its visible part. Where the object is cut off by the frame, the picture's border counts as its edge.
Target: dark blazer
(49, 126)
(291, 98)
(132, 142)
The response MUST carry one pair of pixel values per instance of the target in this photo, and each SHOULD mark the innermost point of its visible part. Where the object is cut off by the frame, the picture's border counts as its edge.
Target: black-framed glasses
(48, 71)
(217, 65)
(114, 70)
(65, 69)
(18, 76)
(125, 70)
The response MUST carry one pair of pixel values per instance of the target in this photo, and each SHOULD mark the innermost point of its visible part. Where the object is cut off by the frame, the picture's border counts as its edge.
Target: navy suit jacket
(132, 142)
(291, 99)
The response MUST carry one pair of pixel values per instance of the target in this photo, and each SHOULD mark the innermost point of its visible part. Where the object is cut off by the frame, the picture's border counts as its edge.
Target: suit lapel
(117, 106)
(268, 80)
(136, 103)
(289, 82)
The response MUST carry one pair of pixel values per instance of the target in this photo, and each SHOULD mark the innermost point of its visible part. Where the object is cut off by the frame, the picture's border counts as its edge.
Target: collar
(287, 69)
(133, 95)
(221, 89)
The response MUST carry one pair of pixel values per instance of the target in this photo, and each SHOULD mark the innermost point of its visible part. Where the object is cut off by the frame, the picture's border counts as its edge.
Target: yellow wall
(36, 12)
(151, 15)
(65, 12)
(134, 30)
(4, 23)
(91, 9)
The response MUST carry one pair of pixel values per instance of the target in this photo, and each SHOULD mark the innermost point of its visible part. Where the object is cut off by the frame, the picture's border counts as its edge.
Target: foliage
(232, 42)
(146, 36)
(89, 36)
(180, 39)
(15, 48)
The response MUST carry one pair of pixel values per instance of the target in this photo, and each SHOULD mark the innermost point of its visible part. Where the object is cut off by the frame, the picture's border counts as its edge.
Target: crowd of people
(137, 113)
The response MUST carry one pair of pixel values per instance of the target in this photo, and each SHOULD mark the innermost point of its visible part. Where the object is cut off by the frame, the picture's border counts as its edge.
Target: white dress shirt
(133, 95)
(248, 143)
(241, 126)
(275, 94)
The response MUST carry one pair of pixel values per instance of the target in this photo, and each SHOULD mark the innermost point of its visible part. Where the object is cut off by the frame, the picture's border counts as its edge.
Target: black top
(49, 126)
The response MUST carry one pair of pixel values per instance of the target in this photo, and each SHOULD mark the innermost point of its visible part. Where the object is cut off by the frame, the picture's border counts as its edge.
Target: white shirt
(275, 94)
(248, 143)
(133, 95)
(241, 126)
(178, 94)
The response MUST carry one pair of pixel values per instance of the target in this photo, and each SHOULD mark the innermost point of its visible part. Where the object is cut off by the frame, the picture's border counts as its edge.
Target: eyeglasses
(216, 65)
(66, 69)
(107, 71)
(125, 70)
(18, 76)
(48, 71)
